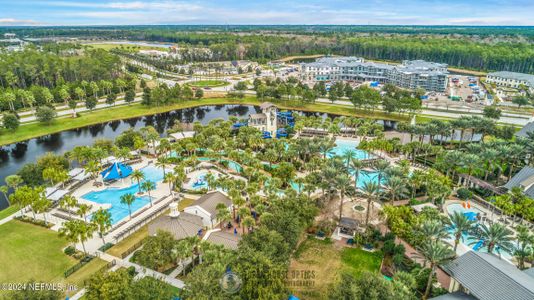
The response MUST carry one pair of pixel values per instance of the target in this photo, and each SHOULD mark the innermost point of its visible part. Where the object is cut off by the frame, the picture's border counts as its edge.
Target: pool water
(343, 145)
(467, 238)
(200, 183)
(112, 196)
(366, 176)
(231, 164)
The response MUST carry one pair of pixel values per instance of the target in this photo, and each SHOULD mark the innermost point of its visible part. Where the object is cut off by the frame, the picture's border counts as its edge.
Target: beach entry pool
(112, 196)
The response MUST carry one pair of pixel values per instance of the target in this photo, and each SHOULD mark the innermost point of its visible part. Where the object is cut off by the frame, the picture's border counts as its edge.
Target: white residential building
(511, 79)
(410, 74)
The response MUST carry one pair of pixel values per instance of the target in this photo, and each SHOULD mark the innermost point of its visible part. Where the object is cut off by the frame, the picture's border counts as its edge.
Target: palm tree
(77, 231)
(381, 167)
(525, 248)
(461, 224)
(161, 163)
(348, 156)
(357, 166)
(433, 230)
(128, 199)
(223, 215)
(396, 188)
(370, 191)
(170, 179)
(4, 190)
(435, 252)
(102, 220)
(137, 175)
(496, 235)
(342, 182)
(148, 186)
(83, 209)
(41, 206)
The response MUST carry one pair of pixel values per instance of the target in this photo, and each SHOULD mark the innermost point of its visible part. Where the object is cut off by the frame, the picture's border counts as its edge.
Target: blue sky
(373, 12)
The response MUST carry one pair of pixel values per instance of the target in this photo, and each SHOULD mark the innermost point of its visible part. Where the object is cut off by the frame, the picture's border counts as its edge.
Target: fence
(132, 248)
(77, 266)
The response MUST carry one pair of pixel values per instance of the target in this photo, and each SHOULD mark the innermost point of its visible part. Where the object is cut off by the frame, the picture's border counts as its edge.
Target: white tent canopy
(182, 135)
(75, 172)
(57, 195)
(82, 176)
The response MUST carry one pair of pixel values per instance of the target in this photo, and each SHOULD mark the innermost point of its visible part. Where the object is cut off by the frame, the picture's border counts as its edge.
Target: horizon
(261, 12)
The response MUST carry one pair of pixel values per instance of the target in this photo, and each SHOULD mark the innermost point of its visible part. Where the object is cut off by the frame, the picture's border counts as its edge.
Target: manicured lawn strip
(8, 211)
(140, 234)
(356, 260)
(77, 278)
(208, 83)
(32, 130)
(30, 252)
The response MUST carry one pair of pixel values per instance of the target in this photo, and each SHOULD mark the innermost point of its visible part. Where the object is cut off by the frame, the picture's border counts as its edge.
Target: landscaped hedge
(105, 247)
(34, 222)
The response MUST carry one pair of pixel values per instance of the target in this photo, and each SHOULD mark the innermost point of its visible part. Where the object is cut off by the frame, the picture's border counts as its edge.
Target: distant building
(410, 74)
(483, 276)
(266, 121)
(528, 128)
(206, 207)
(524, 179)
(511, 79)
(9, 35)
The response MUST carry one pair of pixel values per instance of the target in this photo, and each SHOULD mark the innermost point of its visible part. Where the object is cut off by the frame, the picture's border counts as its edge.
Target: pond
(16, 155)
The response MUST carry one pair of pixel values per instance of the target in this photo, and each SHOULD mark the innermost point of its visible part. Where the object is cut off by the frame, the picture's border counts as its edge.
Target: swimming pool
(366, 176)
(468, 238)
(112, 196)
(343, 145)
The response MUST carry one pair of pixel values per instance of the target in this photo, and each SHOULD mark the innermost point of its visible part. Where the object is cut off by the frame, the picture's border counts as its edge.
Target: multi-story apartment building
(511, 79)
(410, 74)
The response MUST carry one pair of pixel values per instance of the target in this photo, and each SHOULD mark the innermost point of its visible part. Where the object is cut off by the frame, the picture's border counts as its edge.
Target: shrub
(464, 193)
(45, 114)
(69, 250)
(10, 121)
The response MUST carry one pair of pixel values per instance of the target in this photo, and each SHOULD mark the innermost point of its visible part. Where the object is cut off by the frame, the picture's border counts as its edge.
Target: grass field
(139, 235)
(8, 211)
(326, 261)
(109, 46)
(32, 130)
(208, 83)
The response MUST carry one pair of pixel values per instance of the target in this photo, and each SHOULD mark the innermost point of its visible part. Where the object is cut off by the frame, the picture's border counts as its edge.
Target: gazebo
(116, 171)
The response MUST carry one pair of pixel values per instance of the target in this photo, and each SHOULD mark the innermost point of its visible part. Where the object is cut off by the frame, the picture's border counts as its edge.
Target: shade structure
(116, 171)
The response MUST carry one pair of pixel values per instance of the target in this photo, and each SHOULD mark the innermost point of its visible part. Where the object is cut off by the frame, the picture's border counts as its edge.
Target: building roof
(349, 223)
(266, 105)
(454, 296)
(257, 116)
(487, 277)
(529, 272)
(185, 225)
(227, 239)
(514, 75)
(522, 177)
(529, 127)
(209, 202)
(182, 135)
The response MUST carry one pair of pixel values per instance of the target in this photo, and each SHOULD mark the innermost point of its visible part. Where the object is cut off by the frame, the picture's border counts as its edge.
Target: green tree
(461, 225)
(102, 220)
(128, 199)
(10, 121)
(496, 235)
(148, 186)
(138, 175)
(436, 253)
(492, 112)
(45, 114)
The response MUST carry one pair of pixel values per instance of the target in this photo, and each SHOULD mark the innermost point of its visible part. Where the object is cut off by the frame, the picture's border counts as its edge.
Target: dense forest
(476, 48)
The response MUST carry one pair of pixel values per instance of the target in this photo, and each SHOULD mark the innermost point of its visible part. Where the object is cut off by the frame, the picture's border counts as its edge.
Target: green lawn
(31, 252)
(208, 83)
(356, 260)
(8, 211)
(327, 260)
(32, 130)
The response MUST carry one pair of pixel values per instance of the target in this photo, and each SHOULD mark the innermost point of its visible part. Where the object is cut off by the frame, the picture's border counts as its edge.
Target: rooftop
(185, 225)
(487, 277)
(209, 202)
(529, 127)
(520, 178)
(514, 75)
(227, 239)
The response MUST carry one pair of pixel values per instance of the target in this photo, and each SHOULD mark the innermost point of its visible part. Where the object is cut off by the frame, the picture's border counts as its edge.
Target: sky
(344, 12)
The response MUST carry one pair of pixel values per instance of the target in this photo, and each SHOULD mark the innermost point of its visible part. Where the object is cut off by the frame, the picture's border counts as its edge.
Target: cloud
(18, 22)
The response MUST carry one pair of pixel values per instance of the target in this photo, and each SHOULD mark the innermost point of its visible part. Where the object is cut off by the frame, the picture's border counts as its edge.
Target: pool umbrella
(116, 171)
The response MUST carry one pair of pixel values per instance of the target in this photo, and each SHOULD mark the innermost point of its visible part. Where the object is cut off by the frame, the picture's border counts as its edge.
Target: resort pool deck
(366, 176)
(468, 238)
(343, 146)
(112, 196)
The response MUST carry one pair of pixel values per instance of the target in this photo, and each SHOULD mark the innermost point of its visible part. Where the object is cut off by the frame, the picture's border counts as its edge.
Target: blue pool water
(112, 196)
(200, 183)
(468, 238)
(366, 176)
(343, 145)
(231, 164)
